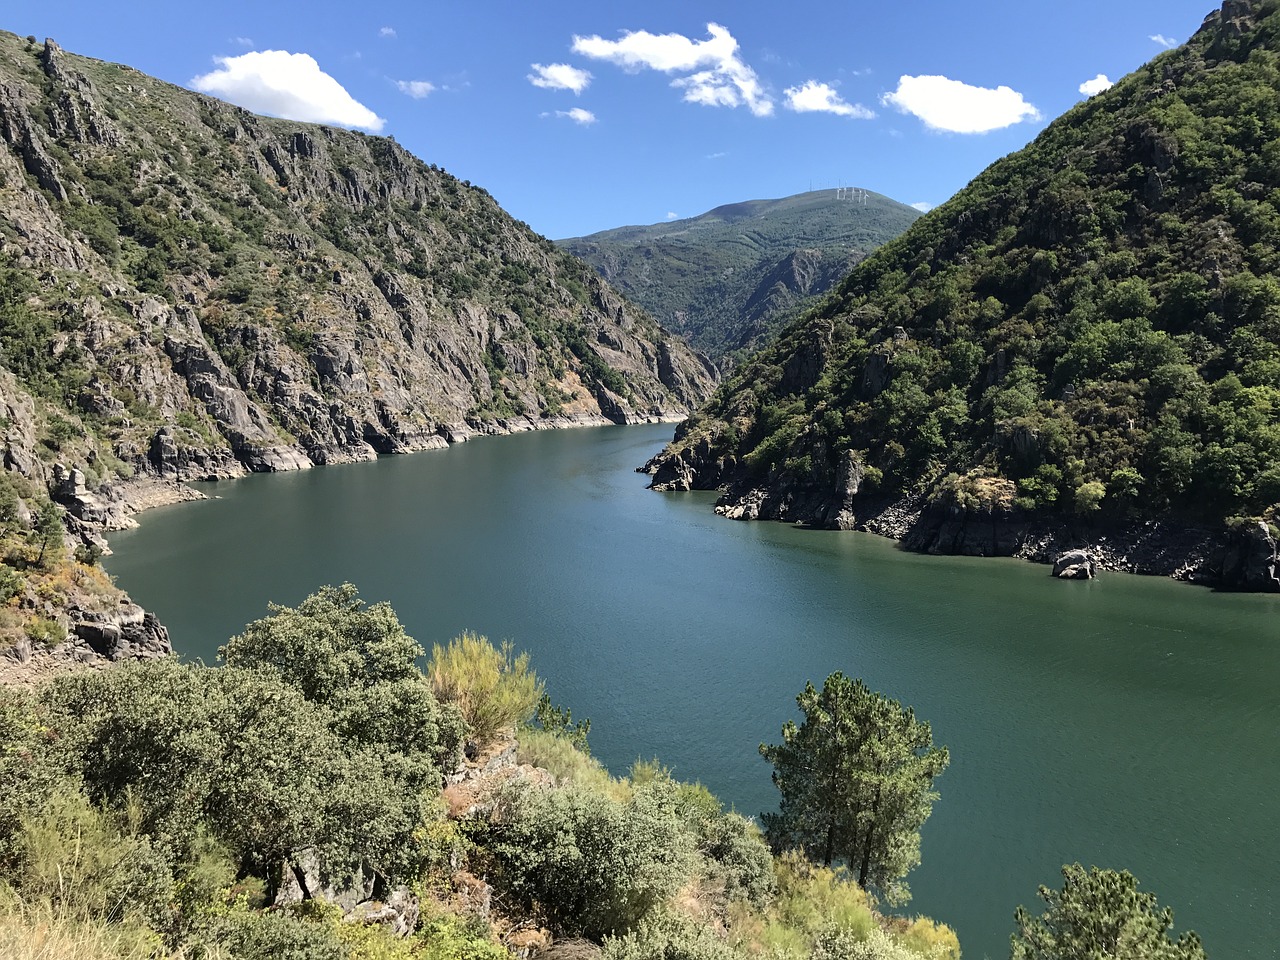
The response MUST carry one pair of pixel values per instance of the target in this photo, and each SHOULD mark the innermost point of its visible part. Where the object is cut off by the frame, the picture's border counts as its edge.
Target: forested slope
(731, 277)
(1088, 332)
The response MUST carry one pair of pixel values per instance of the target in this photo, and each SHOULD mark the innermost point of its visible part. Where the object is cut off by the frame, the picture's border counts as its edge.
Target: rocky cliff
(190, 291)
(208, 292)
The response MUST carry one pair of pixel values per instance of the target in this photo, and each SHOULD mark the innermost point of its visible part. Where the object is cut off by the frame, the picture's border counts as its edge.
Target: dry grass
(39, 932)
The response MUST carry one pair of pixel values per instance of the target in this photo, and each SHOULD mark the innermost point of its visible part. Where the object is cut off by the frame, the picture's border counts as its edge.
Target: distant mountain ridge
(728, 278)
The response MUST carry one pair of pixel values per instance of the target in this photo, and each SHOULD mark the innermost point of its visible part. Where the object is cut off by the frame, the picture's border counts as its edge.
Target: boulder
(1075, 565)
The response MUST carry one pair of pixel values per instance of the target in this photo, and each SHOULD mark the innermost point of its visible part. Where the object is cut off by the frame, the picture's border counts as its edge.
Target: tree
(856, 780)
(1100, 914)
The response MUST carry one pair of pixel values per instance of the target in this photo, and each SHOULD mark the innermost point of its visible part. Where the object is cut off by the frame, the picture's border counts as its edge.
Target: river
(1126, 722)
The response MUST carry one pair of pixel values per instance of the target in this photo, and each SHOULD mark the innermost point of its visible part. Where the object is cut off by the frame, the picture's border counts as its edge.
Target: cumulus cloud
(577, 115)
(955, 107)
(672, 215)
(1091, 88)
(922, 205)
(559, 76)
(815, 97)
(418, 89)
(289, 85)
(714, 74)
(1166, 42)
(389, 32)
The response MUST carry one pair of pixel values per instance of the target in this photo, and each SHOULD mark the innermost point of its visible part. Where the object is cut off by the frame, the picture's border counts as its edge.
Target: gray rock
(1075, 565)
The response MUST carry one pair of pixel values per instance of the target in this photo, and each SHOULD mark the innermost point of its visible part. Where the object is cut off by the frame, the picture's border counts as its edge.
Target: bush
(566, 762)
(81, 862)
(668, 936)
(588, 864)
(492, 689)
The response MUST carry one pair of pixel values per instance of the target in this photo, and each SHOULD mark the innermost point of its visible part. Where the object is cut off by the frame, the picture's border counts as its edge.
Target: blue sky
(582, 116)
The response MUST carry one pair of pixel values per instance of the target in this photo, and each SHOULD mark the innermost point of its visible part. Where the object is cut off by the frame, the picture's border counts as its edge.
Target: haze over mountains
(727, 279)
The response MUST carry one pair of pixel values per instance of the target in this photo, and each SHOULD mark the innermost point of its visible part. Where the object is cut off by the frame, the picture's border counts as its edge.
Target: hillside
(189, 291)
(263, 294)
(729, 278)
(1083, 344)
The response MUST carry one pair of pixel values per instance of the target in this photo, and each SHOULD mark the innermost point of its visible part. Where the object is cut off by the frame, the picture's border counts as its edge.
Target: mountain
(189, 291)
(214, 292)
(1082, 347)
(727, 279)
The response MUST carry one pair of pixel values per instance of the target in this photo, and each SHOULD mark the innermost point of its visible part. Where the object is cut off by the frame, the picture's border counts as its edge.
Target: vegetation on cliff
(315, 799)
(1091, 327)
(728, 279)
(191, 290)
(310, 798)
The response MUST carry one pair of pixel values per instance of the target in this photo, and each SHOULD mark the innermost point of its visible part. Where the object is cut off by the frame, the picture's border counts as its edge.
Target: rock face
(1075, 565)
(1247, 561)
(242, 294)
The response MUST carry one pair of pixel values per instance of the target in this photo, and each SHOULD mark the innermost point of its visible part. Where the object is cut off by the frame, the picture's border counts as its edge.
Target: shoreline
(116, 507)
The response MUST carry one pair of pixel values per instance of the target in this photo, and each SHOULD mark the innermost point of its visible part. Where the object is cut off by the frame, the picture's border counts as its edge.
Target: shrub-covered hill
(730, 278)
(310, 800)
(192, 290)
(1089, 331)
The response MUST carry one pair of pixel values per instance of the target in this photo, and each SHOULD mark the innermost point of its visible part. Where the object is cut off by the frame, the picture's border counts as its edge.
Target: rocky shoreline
(1242, 557)
(97, 639)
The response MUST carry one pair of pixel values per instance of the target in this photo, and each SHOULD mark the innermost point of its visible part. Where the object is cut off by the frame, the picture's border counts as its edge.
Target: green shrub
(566, 762)
(81, 862)
(490, 687)
(45, 632)
(249, 935)
(668, 936)
(588, 864)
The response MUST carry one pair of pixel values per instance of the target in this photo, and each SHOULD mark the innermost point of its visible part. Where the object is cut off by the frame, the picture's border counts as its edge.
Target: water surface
(1127, 722)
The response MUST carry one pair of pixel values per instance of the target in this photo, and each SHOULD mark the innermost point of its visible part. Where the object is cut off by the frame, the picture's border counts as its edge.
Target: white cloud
(289, 85)
(815, 97)
(715, 76)
(559, 76)
(389, 32)
(577, 115)
(922, 205)
(955, 107)
(242, 41)
(1091, 88)
(1166, 42)
(418, 89)
(717, 155)
(672, 215)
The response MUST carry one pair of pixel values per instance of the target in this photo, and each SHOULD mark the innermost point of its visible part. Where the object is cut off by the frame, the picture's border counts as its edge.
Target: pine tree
(856, 779)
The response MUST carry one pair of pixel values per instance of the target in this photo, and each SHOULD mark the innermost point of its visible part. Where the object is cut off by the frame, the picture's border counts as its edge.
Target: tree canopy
(856, 779)
(1100, 915)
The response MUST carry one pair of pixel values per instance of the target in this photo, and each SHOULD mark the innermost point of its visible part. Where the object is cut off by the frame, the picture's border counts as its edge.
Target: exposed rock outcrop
(243, 294)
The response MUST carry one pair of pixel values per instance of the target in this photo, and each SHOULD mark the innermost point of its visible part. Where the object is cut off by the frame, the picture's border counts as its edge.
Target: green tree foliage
(358, 662)
(856, 779)
(492, 687)
(1100, 914)
(588, 864)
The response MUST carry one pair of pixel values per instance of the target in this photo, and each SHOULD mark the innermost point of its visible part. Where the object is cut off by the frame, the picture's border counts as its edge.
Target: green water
(1128, 722)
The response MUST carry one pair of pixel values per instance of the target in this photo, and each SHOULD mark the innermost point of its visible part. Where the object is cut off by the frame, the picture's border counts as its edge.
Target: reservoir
(1128, 722)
